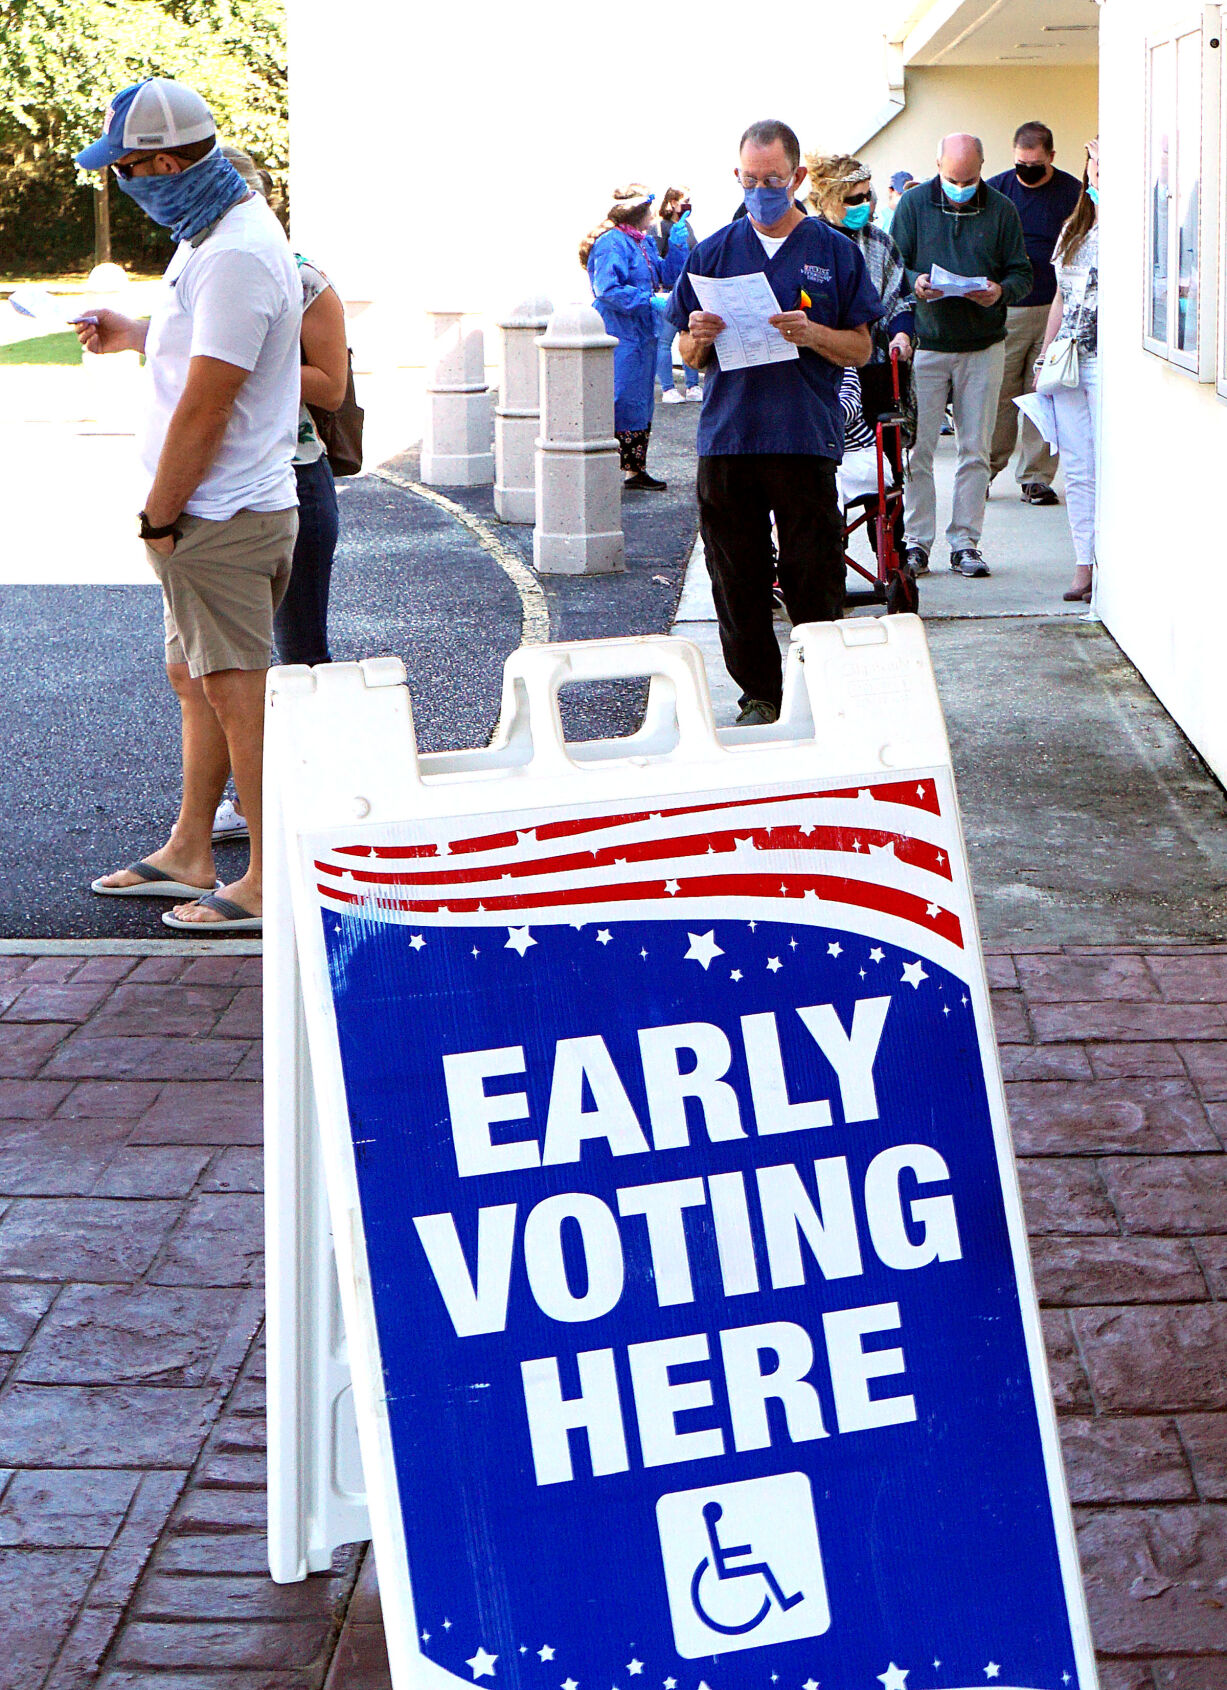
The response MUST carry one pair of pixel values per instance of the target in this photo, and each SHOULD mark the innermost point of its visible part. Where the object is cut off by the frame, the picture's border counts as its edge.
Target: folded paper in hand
(745, 303)
(1039, 409)
(953, 285)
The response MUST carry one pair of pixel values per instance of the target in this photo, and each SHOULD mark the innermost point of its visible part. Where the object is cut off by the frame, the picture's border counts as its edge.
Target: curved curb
(534, 612)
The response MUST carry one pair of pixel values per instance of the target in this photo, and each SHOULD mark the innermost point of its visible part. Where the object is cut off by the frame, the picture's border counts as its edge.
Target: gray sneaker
(918, 560)
(757, 713)
(969, 562)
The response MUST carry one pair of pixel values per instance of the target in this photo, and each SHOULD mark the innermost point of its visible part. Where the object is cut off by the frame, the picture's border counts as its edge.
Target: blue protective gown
(624, 274)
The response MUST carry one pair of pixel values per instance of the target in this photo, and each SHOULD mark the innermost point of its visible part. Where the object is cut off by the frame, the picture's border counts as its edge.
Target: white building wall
(1164, 433)
(455, 155)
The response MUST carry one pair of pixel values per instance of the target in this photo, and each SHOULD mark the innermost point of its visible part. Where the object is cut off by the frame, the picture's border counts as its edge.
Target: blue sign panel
(703, 1347)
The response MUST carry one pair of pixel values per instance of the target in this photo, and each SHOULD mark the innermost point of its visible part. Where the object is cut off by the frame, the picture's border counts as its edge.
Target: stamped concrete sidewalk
(132, 1550)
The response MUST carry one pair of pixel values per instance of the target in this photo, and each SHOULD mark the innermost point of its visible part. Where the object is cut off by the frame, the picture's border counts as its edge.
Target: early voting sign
(692, 1330)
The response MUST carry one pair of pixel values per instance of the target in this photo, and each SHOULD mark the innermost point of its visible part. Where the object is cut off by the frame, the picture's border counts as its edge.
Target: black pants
(737, 496)
(301, 622)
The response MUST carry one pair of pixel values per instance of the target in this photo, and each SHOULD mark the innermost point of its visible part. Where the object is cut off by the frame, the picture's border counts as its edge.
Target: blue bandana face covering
(767, 205)
(189, 201)
(958, 195)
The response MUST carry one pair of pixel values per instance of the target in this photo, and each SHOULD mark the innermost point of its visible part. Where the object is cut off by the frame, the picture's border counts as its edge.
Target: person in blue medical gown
(625, 269)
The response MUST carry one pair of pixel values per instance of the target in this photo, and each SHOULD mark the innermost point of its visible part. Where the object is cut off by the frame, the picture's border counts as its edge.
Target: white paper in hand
(955, 286)
(1039, 409)
(745, 303)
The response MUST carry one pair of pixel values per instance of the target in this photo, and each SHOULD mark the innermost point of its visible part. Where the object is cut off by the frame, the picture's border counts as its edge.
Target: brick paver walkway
(131, 1409)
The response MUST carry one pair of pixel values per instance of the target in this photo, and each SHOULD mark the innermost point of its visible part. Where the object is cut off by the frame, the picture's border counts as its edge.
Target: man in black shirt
(1044, 198)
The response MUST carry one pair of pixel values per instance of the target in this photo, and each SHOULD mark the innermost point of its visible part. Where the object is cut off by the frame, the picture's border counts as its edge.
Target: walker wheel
(902, 592)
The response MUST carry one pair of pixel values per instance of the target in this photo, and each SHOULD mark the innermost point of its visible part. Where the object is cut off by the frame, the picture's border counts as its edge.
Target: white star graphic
(941, 858)
(920, 792)
(913, 974)
(416, 943)
(569, 1684)
(965, 998)
(741, 846)
(835, 948)
(876, 954)
(447, 1625)
(810, 1684)
(643, 953)
(518, 939)
(703, 949)
(857, 846)
(444, 848)
(945, 1009)
(783, 890)
(1064, 1678)
(774, 965)
(634, 1668)
(792, 944)
(775, 1678)
(992, 1670)
(545, 1653)
(932, 910)
(527, 837)
(734, 974)
(861, 972)
(887, 850)
(524, 1648)
(865, 792)
(672, 886)
(753, 926)
(425, 1637)
(894, 1678)
(670, 1684)
(808, 827)
(603, 936)
(482, 1663)
(475, 951)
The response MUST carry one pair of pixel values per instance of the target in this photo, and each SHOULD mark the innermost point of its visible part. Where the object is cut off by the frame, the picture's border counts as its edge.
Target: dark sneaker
(1038, 493)
(757, 713)
(917, 560)
(642, 482)
(969, 562)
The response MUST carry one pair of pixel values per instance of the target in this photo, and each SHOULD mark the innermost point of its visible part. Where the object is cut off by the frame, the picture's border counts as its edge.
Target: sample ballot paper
(953, 285)
(745, 303)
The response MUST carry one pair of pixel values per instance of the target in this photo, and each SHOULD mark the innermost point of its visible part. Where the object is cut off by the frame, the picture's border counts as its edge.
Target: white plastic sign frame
(359, 829)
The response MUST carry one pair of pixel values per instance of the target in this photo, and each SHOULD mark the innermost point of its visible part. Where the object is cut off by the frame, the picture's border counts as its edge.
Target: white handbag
(1060, 365)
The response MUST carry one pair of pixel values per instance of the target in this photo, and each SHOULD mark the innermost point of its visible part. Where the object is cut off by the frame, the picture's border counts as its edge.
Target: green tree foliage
(60, 62)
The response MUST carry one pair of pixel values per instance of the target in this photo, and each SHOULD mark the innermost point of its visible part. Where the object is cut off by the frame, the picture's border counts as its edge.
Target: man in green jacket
(957, 221)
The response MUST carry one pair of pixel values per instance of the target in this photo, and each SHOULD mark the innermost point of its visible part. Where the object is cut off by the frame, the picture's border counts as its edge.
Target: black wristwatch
(149, 532)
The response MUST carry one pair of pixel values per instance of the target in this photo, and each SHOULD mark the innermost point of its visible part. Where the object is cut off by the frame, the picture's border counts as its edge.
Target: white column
(579, 482)
(518, 417)
(456, 439)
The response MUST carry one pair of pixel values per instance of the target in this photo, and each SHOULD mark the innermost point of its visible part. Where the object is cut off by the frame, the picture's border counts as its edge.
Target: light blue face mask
(188, 202)
(1092, 193)
(767, 205)
(956, 194)
(856, 216)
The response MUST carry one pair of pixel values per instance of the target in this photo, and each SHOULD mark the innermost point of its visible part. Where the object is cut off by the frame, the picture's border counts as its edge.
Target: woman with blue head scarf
(625, 270)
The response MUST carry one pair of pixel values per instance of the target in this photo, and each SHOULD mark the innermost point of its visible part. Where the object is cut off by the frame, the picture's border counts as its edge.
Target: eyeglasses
(748, 181)
(858, 199)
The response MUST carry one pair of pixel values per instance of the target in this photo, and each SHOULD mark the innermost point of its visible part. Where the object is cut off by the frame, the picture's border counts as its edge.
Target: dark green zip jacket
(982, 238)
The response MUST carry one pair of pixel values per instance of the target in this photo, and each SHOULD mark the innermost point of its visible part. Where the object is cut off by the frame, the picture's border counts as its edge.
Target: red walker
(894, 584)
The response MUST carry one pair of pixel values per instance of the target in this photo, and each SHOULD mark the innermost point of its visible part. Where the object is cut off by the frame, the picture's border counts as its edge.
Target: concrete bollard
(579, 482)
(456, 438)
(518, 417)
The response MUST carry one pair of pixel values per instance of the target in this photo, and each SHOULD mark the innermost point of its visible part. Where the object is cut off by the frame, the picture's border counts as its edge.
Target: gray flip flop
(154, 883)
(235, 918)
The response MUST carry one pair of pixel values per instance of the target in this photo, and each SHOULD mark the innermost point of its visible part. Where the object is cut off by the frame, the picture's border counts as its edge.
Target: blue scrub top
(787, 407)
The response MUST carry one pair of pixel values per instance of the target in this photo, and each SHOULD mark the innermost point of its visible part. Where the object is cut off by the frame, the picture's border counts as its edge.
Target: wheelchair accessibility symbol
(742, 1565)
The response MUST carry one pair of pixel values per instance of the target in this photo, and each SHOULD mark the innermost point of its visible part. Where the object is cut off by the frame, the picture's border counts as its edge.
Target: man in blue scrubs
(770, 437)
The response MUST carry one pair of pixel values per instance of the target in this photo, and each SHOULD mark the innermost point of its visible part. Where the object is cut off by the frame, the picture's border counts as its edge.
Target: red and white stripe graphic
(799, 856)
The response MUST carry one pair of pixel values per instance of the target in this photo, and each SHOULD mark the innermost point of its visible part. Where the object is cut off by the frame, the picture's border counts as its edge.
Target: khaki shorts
(220, 587)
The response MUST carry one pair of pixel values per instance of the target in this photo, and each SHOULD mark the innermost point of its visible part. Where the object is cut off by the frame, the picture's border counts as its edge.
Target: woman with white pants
(1075, 314)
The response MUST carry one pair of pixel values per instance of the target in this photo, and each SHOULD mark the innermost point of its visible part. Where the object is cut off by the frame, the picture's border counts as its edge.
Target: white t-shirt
(773, 243)
(237, 297)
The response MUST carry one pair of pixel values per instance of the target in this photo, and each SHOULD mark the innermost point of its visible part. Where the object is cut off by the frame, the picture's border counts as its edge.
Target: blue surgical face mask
(1092, 193)
(956, 194)
(767, 205)
(856, 216)
(188, 202)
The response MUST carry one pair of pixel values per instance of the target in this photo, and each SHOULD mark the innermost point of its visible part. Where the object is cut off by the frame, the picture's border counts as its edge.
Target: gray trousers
(975, 378)
(1024, 335)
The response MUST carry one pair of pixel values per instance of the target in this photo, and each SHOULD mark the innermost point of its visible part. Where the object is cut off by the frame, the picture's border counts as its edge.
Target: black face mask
(1031, 175)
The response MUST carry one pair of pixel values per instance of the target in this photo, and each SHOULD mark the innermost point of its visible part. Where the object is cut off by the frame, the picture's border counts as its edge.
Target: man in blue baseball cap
(898, 185)
(221, 514)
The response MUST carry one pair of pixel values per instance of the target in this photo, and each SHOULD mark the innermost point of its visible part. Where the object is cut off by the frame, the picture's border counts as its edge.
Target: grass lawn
(62, 347)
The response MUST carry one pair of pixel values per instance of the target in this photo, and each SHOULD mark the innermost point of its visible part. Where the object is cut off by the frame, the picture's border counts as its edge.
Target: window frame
(1208, 361)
